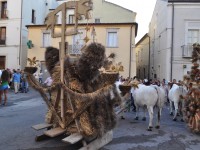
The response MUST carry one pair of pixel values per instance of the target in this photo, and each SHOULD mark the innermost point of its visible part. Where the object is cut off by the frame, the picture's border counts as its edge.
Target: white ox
(174, 97)
(149, 97)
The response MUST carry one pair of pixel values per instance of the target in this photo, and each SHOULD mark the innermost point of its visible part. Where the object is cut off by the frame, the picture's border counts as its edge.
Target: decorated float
(82, 97)
(192, 100)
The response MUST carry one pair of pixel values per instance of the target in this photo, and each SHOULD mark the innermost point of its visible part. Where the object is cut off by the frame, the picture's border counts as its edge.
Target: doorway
(2, 62)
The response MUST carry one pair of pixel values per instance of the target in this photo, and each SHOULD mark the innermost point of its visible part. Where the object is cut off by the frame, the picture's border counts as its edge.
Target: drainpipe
(131, 37)
(172, 42)
(149, 57)
(20, 38)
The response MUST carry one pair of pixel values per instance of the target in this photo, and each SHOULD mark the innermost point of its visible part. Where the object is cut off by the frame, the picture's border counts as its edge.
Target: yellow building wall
(122, 51)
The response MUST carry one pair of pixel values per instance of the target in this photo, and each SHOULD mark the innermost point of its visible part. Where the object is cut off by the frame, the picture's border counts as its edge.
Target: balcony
(187, 51)
(75, 49)
(4, 14)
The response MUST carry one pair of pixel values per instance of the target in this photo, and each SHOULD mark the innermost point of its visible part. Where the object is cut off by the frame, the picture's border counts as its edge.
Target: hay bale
(88, 89)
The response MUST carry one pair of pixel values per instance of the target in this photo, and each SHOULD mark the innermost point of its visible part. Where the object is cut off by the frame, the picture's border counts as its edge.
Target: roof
(118, 6)
(142, 39)
(94, 24)
(184, 1)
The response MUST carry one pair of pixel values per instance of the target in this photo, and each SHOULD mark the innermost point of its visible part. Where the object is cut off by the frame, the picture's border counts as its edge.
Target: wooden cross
(81, 7)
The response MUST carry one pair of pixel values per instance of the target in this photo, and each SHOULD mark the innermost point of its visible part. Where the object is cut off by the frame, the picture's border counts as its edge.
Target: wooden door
(2, 62)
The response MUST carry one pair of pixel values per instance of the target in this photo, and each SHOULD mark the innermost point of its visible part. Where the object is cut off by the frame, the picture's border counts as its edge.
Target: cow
(149, 97)
(174, 97)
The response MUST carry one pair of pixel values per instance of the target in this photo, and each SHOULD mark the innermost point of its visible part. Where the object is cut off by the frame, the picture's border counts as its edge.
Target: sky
(144, 10)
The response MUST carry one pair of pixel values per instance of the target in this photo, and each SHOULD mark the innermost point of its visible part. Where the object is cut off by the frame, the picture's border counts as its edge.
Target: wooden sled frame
(53, 132)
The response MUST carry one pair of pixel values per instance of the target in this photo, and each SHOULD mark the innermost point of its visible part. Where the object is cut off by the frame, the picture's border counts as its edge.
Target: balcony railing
(187, 51)
(4, 14)
(75, 49)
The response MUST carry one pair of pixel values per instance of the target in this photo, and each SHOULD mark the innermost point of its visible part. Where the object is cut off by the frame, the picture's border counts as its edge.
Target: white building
(105, 12)
(174, 27)
(14, 15)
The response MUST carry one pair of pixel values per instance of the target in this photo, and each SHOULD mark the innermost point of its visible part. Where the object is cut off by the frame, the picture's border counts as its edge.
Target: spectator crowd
(16, 80)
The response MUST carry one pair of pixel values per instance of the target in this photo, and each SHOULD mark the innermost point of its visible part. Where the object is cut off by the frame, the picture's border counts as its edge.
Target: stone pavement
(13, 98)
(27, 109)
(132, 135)
(23, 111)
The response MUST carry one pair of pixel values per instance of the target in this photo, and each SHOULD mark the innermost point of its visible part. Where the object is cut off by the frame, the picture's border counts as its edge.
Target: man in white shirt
(48, 81)
(36, 76)
(40, 76)
(0, 73)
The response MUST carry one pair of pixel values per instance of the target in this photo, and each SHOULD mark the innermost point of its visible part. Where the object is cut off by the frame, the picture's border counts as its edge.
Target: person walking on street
(0, 73)
(16, 80)
(24, 82)
(165, 88)
(10, 76)
(4, 85)
(48, 82)
(40, 76)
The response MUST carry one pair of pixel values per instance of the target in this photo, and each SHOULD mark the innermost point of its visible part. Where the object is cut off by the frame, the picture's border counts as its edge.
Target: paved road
(131, 135)
(27, 109)
(23, 111)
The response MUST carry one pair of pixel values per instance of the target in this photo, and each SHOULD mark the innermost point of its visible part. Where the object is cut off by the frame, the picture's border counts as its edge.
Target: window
(77, 42)
(71, 19)
(97, 20)
(33, 18)
(4, 10)
(79, 38)
(2, 35)
(46, 39)
(112, 39)
(193, 36)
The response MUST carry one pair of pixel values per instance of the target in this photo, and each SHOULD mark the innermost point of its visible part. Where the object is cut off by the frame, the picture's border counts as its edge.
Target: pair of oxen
(153, 97)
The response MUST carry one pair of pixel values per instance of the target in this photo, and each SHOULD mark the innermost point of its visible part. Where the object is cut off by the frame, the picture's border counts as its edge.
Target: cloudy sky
(144, 10)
